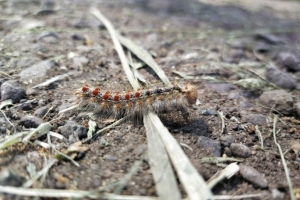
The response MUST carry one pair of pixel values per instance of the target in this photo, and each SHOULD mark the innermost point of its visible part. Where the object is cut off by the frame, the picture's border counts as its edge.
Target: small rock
(7, 178)
(269, 38)
(256, 119)
(71, 127)
(49, 37)
(235, 127)
(240, 150)
(204, 111)
(12, 90)
(246, 104)
(227, 140)
(235, 56)
(31, 92)
(289, 60)
(30, 121)
(79, 62)
(253, 176)
(41, 102)
(40, 112)
(227, 151)
(280, 99)
(25, 62)
(233, 95)
(297, 106)
(2, 130)
(25, 106)
(262, 48)
(212, 147)
(280, 78)
(36, 71)
(110, 158)
(39, 48)
(277, 195)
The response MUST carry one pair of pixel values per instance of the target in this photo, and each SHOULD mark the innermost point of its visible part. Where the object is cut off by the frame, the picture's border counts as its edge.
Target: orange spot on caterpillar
(106, 95)
(139, 102)
(96, 91)
(118, 106)
(83, 95)
(104, 104)
(117, 96)
(129, 104)
(93, 99)
(85, 88)
(160, 98)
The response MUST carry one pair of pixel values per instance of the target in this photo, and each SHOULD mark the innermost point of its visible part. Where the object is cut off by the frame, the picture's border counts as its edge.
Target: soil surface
(244, 59)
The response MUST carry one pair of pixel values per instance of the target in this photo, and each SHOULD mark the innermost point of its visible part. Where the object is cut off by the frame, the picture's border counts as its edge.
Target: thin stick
(220, 113)
(286, 170)
(260, 138)
(114, 36)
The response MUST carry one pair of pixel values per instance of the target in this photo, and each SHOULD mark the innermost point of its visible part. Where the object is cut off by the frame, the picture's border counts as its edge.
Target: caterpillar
(135, 104)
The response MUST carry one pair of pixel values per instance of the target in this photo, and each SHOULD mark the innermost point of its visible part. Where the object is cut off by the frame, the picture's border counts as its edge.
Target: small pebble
(40, 112)
(277, 195)
(240, 150)
(227, 140)
(256, 119)
(12, 90)
(2, 130)
(49, 37)
(289, 60)
(280, 78)
(8, 178)
(212, 147)
(30, 121)
(279, 100)
(26, 106)
(253, 176)
(233, 95)
(71, 127)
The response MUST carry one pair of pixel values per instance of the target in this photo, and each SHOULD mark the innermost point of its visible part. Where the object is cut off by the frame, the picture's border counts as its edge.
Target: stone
(8, 178)
(280, 78)
(26, 106)
(36, 71)
(268, 38)
(71, 127)
(212, 147)
(253, 176)
(256, 119)
(277, 195)
(240, 150)
(233, 95)
(227, 140)
(289, 60)
(40, 112)
(12, 90)
(48, 37)
(297, 106)
(279, 100)
(30, 121)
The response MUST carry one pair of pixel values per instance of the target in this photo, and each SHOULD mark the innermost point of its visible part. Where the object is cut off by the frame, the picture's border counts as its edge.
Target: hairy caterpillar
(136, 103)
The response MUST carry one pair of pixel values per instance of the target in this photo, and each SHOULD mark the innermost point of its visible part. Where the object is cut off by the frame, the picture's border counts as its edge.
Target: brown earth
(224, 42)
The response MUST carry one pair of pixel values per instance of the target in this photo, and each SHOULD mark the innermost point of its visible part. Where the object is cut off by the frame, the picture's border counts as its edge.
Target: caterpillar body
(135, 104)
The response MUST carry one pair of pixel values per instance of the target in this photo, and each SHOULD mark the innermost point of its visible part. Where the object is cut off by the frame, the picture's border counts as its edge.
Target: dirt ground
(244, 59)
